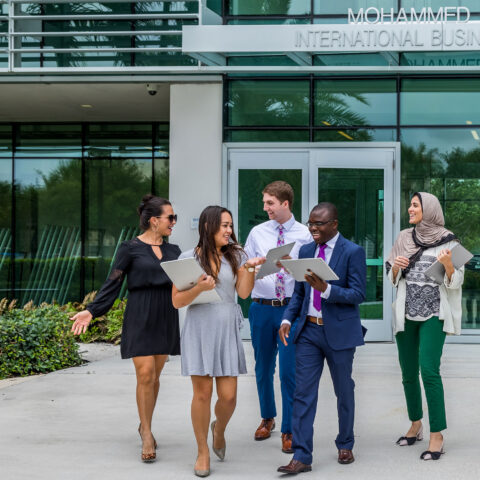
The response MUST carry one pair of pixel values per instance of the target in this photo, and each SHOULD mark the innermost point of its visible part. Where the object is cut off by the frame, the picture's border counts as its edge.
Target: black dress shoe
(295, 467)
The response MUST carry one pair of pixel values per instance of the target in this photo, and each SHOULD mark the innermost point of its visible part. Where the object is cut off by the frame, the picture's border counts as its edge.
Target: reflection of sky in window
(443, 139)
(430, 108)
(29, 172)
(5, 170)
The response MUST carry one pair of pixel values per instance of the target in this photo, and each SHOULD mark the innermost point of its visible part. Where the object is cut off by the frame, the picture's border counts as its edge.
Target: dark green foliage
(35, 340)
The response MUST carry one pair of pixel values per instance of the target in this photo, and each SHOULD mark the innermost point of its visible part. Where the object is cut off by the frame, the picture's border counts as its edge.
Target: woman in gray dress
(210, 340)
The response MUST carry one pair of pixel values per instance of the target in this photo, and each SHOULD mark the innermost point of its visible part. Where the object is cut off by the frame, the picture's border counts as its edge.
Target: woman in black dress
(150, 325)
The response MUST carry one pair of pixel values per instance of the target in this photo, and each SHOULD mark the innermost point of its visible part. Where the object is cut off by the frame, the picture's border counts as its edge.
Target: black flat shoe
(408, 441)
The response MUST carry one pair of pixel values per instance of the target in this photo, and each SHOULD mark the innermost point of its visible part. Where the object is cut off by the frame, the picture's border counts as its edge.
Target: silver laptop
(460, 256)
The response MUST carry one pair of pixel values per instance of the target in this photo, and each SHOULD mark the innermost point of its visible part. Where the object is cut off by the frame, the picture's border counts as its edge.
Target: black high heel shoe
(408, 441)
(429, 455)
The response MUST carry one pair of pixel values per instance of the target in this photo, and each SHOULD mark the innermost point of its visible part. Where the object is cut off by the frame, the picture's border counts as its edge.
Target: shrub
(35, 340)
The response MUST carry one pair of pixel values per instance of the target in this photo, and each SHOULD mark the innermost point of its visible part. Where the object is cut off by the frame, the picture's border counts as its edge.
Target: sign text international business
(368, 30)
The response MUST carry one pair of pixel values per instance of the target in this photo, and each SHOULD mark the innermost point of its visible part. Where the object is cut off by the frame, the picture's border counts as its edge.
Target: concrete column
(195, 155)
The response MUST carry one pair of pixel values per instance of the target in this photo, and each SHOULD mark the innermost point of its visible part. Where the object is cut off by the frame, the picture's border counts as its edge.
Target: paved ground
(81, 423)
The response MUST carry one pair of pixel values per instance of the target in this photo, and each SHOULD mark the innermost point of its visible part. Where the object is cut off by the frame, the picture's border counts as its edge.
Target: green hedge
(35, 340)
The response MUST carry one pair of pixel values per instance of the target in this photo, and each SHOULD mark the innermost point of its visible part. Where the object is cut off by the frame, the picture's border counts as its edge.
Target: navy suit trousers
(311, 352)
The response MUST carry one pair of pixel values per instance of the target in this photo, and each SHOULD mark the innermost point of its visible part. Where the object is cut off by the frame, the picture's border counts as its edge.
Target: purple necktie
(280, 276)
(317, 296)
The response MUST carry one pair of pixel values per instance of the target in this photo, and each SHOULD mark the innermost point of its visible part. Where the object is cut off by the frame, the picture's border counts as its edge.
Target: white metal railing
(87, 39)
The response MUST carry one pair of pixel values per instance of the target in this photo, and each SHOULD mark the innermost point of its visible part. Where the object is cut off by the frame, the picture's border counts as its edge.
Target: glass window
(444, 59)
(329, 7)
(356, 135)
(47, 243)
(5, 141)
(424, 102)
(111, 140)
(5, 219)
(267, 136)
(355, 102)
(114, 188)
(267, 7)
(283, 102)
(446, 162)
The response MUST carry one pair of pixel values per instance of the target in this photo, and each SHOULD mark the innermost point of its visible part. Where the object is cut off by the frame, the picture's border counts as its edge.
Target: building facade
(358, 102)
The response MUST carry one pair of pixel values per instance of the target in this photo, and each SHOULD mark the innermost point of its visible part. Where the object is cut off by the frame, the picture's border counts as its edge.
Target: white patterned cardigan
(449, 308)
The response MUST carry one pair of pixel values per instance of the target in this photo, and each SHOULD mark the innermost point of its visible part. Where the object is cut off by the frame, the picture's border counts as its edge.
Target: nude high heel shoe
(219, 452)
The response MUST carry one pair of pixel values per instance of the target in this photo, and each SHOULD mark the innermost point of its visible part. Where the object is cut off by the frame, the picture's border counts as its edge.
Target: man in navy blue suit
(328, 329)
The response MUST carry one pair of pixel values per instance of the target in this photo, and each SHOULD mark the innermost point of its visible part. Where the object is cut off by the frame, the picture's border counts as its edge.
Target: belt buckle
(276, 302)
(319, 318)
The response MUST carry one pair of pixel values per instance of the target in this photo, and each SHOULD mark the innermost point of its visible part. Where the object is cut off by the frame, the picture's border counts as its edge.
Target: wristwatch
(249, 268)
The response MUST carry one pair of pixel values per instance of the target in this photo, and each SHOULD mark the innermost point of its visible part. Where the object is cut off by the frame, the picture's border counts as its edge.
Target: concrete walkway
(81, 423)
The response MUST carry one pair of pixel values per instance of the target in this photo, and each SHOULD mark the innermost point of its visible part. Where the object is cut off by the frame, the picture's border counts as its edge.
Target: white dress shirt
(264, 237)
(312, 311)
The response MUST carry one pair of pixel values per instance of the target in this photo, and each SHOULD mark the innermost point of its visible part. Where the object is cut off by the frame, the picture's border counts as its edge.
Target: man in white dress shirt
(270, 297)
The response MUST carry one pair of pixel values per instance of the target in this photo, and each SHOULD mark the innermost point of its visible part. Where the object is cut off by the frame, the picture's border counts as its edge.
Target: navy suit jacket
(340, 312)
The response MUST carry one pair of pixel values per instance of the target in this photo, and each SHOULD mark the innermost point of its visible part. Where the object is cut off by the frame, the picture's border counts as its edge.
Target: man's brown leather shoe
(345, 456)
(265, 429)
(294, 467)
(287, 443)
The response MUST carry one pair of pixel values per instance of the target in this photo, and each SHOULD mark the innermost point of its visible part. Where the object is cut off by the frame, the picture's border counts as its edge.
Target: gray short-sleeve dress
(210, 339)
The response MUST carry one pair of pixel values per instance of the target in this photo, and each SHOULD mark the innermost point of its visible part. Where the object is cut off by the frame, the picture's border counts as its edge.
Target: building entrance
(362, 180)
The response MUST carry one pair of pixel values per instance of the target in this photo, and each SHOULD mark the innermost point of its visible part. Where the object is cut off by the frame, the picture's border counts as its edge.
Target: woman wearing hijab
(424, 313)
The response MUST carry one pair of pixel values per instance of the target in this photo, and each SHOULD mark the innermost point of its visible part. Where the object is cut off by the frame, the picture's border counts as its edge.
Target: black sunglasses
(171, 218)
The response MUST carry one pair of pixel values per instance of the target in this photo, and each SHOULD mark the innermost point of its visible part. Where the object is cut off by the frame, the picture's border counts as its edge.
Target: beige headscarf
(430, 232)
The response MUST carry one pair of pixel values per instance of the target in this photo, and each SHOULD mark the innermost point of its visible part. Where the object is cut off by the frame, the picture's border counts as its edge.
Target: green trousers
(420, 348)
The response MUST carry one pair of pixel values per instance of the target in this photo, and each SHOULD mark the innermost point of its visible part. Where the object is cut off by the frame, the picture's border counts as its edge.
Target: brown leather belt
(274, 302)
(316, 320)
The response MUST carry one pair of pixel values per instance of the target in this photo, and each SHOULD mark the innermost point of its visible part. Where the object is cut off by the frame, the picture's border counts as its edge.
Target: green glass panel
(424, 102)
(359, 197)
(163, 59)
(5, 217)
(173, 8)
(357, 135)
(111, 140)
(269, 21)
(48, 141)
(269, 7)
(250, 205)
(258, 60)
(282, 102)
(446, 162)
(351, 60)
(5, 141)
(473, 5)
(114, 188)
(444, 59)
(47, 243)
(355, 102)
(162, 140)
(215, 6)
(267, 136)
(341, 7)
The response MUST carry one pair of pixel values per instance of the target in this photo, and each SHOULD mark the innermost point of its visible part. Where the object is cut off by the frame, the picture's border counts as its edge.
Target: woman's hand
(205, 282)
(81, 321)
(254, 262)
(400, 262)
(445, 258)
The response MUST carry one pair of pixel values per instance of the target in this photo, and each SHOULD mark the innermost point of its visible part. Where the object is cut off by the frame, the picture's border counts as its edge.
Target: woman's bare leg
(225, 406)
(201, 402)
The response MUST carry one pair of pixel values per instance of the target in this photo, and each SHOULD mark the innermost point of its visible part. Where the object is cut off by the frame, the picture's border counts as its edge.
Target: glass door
(360, 184)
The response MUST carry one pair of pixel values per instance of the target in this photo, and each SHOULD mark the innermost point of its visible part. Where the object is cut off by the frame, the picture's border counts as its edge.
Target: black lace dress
(150, 322)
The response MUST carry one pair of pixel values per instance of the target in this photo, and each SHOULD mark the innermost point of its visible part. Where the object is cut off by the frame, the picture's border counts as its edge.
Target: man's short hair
(329, 207)
(281, 190)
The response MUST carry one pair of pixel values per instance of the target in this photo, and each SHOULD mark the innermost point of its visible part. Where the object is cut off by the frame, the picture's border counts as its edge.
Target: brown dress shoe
(287, 443)
(265, 429)
(345, 456)
(294, 467)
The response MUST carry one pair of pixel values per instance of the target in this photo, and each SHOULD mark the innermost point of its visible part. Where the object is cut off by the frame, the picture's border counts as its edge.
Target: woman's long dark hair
(206, 251)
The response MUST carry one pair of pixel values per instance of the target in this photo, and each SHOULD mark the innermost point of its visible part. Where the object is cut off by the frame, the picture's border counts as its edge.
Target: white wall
(195, 154)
